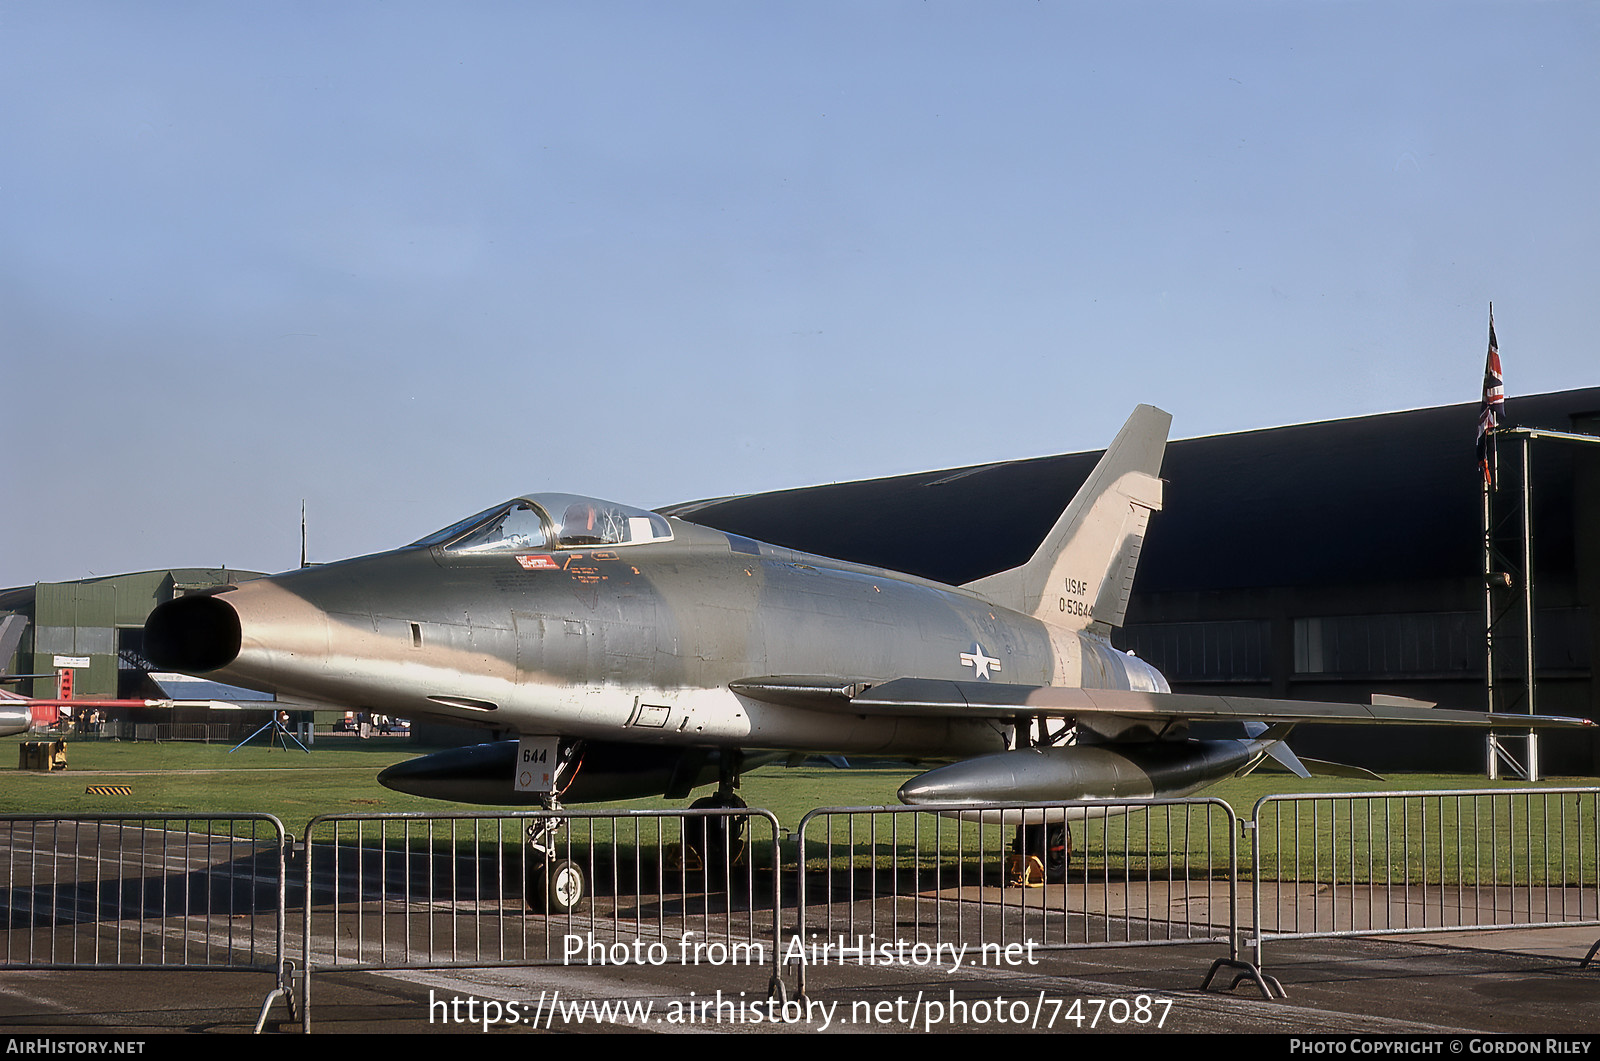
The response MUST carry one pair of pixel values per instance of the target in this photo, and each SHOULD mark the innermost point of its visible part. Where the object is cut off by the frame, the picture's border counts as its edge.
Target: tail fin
(1082, 572)
(11, 628)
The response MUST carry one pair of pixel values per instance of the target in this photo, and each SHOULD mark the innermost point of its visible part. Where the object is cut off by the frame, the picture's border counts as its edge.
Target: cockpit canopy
(550, 522)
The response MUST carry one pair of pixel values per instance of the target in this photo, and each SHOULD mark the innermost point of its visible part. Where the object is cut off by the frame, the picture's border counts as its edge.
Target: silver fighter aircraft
(652, 656)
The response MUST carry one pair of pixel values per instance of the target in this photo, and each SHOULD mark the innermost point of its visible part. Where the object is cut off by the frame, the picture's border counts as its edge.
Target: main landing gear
(714, 841)
(1039, 855)
(717, 841)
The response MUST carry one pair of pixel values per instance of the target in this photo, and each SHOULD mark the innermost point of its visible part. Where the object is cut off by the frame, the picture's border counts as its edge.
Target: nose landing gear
(554, 883)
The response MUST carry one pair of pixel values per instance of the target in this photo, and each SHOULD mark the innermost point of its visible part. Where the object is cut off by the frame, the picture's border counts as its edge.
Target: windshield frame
(618, 526)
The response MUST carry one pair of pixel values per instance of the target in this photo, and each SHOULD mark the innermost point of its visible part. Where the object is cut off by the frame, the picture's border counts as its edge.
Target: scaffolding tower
(1511, 665)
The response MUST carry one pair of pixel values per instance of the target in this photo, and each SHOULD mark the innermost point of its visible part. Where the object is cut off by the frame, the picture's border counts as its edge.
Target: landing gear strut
(554, 884)
(1039, 854)
(717, 841)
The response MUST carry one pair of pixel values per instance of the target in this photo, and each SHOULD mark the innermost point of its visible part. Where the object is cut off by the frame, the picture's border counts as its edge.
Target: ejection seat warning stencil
(536, 764)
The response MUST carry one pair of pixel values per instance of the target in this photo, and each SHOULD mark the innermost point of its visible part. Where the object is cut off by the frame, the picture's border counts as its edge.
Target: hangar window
(1445, 644)
(1430, 644)
(1232, 650)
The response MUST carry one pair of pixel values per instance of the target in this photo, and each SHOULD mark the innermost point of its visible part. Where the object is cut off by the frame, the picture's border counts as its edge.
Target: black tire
(717, 842)
(1051, 844)
(558, 887)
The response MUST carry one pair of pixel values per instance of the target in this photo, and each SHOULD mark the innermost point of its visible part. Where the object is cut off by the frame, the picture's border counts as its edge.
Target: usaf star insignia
(980, 663)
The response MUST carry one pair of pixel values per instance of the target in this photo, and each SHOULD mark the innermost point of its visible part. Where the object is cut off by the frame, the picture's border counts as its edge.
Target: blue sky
(404, 260)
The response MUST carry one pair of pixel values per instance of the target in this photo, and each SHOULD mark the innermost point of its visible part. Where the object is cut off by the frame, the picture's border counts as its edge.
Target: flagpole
(1527, 598)
(1488, 610)
(1489, 461)
(1494, 438)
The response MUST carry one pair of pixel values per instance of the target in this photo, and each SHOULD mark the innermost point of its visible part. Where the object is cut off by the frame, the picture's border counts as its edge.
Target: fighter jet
(17, 712)
(638, 654)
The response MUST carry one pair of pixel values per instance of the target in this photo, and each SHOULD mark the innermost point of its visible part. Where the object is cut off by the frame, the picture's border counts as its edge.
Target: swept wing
(999, 700)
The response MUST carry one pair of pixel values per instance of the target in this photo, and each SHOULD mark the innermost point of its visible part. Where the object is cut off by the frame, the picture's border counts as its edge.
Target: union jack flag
(1494, 403)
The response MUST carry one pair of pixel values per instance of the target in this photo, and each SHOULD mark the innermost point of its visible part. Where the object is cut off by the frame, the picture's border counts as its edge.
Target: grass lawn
(339, 776)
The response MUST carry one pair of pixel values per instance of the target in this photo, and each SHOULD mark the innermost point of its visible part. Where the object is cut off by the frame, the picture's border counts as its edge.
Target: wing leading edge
(941, 697)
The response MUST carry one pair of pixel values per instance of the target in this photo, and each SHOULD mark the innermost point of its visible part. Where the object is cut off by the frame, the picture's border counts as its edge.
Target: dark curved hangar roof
(1376, 498)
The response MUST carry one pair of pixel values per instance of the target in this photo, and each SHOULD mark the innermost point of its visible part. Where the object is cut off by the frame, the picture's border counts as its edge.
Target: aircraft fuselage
(636, 643)
(679, 655)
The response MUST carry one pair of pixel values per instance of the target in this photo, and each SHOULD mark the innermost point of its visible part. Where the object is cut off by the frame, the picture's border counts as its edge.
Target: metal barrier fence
(124, 730)
(202, 732)
(130, 891)
(1423, 862)
(486, 889)
(874, 885)
(880, 885)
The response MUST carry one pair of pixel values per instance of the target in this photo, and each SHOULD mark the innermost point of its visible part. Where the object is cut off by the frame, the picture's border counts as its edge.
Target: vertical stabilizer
(1082, 573)
(11, 628)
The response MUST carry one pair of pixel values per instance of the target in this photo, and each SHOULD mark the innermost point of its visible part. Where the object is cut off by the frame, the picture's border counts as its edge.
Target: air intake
(192, 635)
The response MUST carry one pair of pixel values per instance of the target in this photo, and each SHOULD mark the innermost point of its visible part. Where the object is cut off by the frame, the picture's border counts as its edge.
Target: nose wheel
(558, 887)
(552, 884)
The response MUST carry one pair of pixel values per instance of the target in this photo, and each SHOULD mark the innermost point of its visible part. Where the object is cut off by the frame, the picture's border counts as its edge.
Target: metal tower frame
(1508, 582)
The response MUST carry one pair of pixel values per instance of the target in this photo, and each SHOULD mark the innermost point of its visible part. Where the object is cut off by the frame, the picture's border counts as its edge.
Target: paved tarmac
(1471, 984)
(175, 896)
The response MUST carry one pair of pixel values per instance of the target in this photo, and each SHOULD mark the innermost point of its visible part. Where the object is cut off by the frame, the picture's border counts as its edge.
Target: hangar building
(1323, 561)
(95, 628)
(1317, 561)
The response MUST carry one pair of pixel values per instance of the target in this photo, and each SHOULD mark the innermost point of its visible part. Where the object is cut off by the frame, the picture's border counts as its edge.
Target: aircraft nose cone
(192, 635)
(15, 717)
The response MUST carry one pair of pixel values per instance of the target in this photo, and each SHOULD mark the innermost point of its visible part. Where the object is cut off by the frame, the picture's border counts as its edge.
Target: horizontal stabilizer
(1286, 759)
(1323, 768)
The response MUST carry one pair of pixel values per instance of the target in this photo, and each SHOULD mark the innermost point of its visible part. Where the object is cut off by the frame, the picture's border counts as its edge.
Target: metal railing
(989, 884)
(136, 891)
(995, 881)
(424, 891)
(1392, 863)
